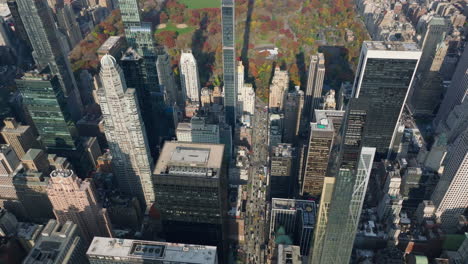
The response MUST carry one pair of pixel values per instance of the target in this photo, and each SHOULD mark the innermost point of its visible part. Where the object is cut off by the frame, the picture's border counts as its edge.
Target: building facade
(281, 171)
(246, 100)
(198, 131)
(75, 200)
(293, 108)
(313, 94)
(189, 78)
(58, 243)
(190, 185)
(450, 197)
(385, 74)
(318, 154)
(21, 138)
(278, 89)
(42, 32)
(67, 24)
(166, 79)
(125, 133)
(228, 26)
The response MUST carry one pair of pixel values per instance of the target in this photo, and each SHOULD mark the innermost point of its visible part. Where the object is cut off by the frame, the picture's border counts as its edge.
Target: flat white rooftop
(122, 249)
(186, 154)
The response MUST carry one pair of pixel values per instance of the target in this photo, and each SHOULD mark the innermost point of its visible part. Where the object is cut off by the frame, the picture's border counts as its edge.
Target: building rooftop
(53, 243)
(391, 45)
(130, 55)
(108, 44)
(31, 154)
(103, 247)
(308, 208)
(189, 155)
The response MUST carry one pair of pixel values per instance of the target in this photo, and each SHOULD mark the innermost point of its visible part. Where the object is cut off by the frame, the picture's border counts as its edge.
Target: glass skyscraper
(335, 233)
(47, 51)
(384, 75)
(46, 103)
(229, 60)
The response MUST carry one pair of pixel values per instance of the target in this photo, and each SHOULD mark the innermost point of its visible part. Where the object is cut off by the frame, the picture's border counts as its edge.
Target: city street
(256, 221)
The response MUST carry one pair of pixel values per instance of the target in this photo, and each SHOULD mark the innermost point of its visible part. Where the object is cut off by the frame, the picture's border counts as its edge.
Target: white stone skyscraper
(450, 196)
(125, 133)
(189, 76)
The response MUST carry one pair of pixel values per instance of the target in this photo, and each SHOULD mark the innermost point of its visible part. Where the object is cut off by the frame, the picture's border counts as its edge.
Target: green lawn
(172, 27)
(195, 4)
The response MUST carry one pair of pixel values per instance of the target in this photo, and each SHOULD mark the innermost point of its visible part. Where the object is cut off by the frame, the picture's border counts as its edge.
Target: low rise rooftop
(129, 249)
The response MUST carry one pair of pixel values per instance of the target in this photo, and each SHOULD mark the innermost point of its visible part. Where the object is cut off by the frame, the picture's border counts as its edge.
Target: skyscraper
(48, 108)
(189, 78)
(384, 75)
(318, 154)
(8, 164)
(229, 60)
(19, 137)
(75, 200)
(125, 133)
(428, 82)
(47, 51)
(19, 26)
(67, 24)
(58, 243)
(293, 106)
(198, 131)
(246, 100)
(190, 186)
(457, 91)
(313, 94)
(139, 36)
(278, 89)
(450, 196)
(281, 171)
(334, 240)
(166, 78)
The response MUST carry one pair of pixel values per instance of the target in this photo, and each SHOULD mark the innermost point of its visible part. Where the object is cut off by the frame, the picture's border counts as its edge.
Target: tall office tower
(275, 133)
(139, 36)
(166, 78)
(428, 82)
(317, 156)
(322, 219)
(47, 51)
(281, 174)
(8, 164)
(450, 196)
(353, 172)
(18, 22)
(246, 100)
(457, 91)
(58, 243)
(125, 133)
(313, 94)
(19, 137)
(190, 186)
(67, 24)
(31, 185)
(297, 218)
(75, 200)
(105, 250)
(278, 89)
(47, 106)
(385, 73)
(229, 60)
(293, 106)
(189, 78)
(336, 116)
(198, 131)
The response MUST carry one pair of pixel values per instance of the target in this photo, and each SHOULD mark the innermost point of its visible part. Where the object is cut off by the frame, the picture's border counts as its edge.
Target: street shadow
(337, 67)
(205, 60)
(300, 62)
(245, 45)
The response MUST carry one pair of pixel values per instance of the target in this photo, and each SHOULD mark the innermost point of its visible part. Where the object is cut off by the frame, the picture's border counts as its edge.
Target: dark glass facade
(385, 83)
(47, 106)
(229, 61)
